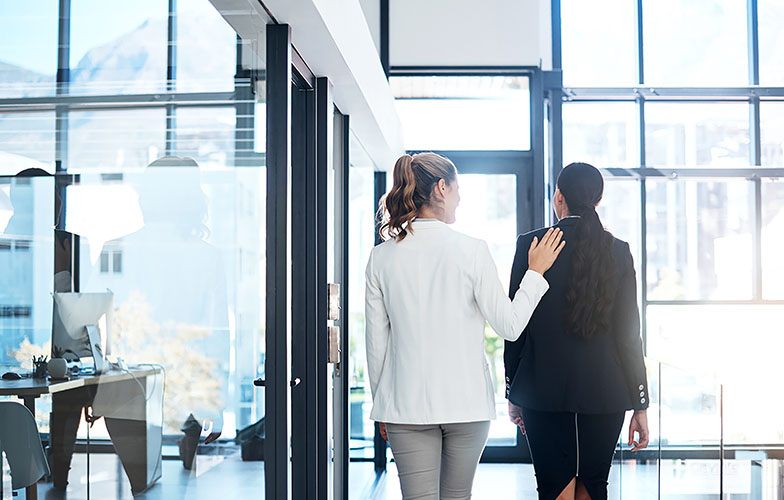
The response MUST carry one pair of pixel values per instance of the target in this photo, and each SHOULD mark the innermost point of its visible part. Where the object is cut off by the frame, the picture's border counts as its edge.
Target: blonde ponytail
(413, 180)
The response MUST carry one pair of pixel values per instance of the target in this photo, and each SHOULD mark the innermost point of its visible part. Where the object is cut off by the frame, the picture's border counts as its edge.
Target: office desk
(131, 403)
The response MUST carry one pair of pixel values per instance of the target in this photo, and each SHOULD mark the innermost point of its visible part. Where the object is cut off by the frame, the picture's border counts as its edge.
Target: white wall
(470, 33)
(372, 11)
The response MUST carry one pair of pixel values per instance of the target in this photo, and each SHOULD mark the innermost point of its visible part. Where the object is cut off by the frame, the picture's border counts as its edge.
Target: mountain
(16, 81)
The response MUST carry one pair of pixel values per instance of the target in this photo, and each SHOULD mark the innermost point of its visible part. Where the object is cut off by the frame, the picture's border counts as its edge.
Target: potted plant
(58, 366)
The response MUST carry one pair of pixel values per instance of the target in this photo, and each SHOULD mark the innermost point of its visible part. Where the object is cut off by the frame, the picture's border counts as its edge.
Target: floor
(687, 480)
(213, 477)
(227, 477)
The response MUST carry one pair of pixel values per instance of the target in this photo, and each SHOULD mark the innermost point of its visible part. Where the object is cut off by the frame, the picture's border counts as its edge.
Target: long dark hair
(414, 178)
(590, 292)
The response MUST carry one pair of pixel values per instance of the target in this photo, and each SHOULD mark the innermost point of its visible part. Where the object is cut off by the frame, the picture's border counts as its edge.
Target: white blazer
(426, 303)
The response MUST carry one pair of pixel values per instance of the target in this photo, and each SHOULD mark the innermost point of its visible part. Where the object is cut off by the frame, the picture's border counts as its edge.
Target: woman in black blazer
(578, 366)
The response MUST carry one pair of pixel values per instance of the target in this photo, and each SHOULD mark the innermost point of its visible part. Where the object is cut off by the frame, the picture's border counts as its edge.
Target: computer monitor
(82, 325)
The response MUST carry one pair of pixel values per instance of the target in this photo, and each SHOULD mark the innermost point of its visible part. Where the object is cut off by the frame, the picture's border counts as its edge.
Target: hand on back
(542, 254)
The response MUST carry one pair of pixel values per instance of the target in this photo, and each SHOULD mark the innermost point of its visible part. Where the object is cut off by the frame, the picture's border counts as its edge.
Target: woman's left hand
(382, 427)
(639, 424)
(516, 416)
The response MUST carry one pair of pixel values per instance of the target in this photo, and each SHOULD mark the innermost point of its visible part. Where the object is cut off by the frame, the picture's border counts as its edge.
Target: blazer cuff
(641, 398)
(536, 281)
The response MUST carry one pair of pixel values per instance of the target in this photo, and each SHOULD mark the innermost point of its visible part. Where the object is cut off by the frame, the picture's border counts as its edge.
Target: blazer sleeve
(377, 326)
(507, 318)
(513, 349)
(627, 333)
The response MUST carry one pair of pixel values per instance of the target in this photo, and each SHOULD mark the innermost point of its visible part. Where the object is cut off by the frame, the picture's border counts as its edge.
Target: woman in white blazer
(429, 291)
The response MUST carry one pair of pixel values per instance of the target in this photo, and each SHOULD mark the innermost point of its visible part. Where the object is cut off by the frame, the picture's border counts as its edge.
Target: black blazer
(547, 369)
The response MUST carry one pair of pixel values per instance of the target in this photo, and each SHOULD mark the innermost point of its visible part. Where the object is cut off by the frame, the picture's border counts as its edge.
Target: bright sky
(29, 28)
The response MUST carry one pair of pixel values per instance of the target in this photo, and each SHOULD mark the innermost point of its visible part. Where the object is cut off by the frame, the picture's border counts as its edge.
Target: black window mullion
(643, 210)
(171, 76)
(756, 278)
(755, 151)
(640, 54)
(753, 41)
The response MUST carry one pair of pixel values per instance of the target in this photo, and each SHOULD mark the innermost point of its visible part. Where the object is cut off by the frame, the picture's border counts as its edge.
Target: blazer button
(641, 387)
(642, 394)
(507, 379)
(642, 401)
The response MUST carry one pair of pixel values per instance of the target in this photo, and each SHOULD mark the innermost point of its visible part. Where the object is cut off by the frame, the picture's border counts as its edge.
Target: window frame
(753, 95)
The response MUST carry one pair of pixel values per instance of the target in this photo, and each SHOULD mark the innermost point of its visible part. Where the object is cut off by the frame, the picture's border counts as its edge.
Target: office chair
(20, 442)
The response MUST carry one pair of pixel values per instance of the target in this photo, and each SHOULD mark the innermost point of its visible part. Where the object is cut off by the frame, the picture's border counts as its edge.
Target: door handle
(260, 382)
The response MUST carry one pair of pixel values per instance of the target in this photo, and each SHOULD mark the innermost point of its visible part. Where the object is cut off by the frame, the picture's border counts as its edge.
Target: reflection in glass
(115, 140)
(603, 134)
(178, 249)
(700, 134)
(771, 42)
(772, 239)
(606, 60)
(26, 268)
(206, 135)
(772, 134)
(464, 112)
(204, 39)
(488, 210)
(695, 42)
(738, 346)
(699, 239)
(28, 53)
(118, 47)
(27, 140)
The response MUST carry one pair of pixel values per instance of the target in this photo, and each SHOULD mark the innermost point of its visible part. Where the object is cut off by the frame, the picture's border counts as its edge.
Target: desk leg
(136, 440)
(63, 424)
(31, 492)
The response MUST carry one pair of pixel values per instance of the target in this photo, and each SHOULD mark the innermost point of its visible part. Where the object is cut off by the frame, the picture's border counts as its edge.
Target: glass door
(495, 206)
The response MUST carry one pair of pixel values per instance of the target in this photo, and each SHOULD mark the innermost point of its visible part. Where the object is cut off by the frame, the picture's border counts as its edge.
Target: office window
(28, 53)
(206, 135)
(604, 134)
(22, 245)
(104, 262)
(699, 239)
(772, 134)
(700, 232)
(488, 210)
(695, 42)
(204, 39)
(177, 282)
(772, 239)
(702, 134)
(114, 140)
(739, 346)
(27, 140)
(589, 59)
(111, 261)
(619, 211)
(118, 47)
(771, 42)
(26, 268)
(464, 112)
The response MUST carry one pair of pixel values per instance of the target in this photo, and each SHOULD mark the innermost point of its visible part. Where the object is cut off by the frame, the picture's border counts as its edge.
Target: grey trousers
(437, 462)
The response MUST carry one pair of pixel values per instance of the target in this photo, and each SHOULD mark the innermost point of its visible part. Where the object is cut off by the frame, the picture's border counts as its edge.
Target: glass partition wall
(133, 147)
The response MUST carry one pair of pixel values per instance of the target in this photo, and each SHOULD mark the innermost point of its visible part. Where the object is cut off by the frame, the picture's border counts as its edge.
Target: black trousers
(566, 445)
